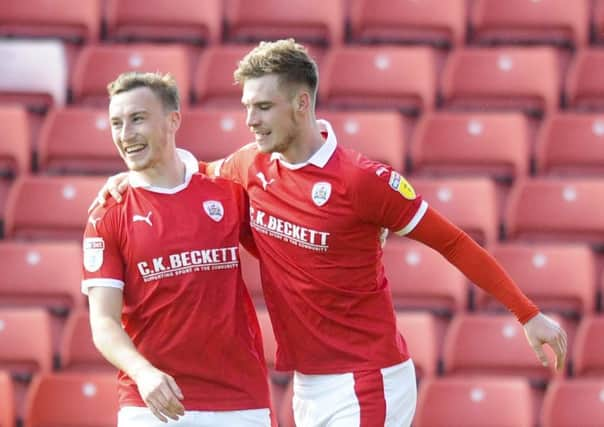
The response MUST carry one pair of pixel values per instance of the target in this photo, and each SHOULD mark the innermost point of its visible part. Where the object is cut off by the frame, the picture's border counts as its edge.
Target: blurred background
(492, 109)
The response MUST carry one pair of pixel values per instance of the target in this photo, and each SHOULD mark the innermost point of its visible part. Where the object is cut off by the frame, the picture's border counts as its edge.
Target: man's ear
(303, 101)
(174, 120)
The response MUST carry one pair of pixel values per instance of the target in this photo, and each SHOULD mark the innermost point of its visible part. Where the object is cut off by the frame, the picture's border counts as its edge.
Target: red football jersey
(175, 255)
(317, 227)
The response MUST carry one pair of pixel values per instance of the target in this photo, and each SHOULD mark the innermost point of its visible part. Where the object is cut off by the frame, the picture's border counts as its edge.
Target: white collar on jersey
(191, 167)
(321, 156)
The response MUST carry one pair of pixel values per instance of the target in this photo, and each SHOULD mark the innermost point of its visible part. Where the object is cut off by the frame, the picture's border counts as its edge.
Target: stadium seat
(77, 141)
(41, 274)
(551, 21)
(558, 278)
(34, 73)
(420, 332)
(15, 148)
(70, 399)
(213, 134)
(213, 82)
(598, 21)
(251, 275)
(42, 207)
(7, 403)
(584, 83)
(487, 344)
(487, 144)
(588, 352)
(78, 353)
(573, 402)
(385, 77)
(380, 135)
(559, 210)
(158, 20)
(97, 65)
(518, 78)
(571, 144)
(420, 278)
(26, 347)
(72, 20)
(391, 21)
(308, 21)
(470, 203)
(474, 402)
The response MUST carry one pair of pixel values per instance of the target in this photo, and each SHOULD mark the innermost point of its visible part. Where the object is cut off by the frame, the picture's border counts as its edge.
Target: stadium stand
(573, 402)
(558, 278)
(584, 89)
(390, 21)
(15, 147)
(570, 144)
(157, 20)
(588, 353)
(597, 20)
(480, 144)
(502, 78)
(63, 399)
(7, 403)
(421, 334)
(385, 77)
(97, 65)
(553, 21)
(71, 20)
(474, 402)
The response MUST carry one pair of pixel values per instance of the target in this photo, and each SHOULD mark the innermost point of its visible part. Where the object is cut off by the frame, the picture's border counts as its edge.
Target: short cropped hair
(162, 85)
(285, 58)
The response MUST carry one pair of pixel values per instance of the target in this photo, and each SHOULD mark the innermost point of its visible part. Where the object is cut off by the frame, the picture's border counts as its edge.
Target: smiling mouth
(135, 148)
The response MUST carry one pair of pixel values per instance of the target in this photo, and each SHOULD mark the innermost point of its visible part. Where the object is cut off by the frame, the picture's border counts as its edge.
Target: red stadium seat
(558, 278)
(471, 144)
(78, 140)
(588, 352)
(309, 21)
(15, 149)
(34, 73)
(524, 78)
(385, 77)
(70, 399)
(420, 278)
(584, 83)
(97, 65)
(213, 134)
(7, 403)
(435, 22)
(571, 144)
(470, 203)
(41, 274)
(550, 21)
(177, 20)
(486, 344)
(25, 334)
(73, 20)
(474, 402)
(379, 135)
(573, 402)
(598, 20)
(420, 332)
(78, 353)
(556, 210)
(41, 207)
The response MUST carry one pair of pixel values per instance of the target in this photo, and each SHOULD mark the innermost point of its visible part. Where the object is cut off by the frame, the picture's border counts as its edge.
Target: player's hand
(114, 187)
(160, 393)
(543, 330)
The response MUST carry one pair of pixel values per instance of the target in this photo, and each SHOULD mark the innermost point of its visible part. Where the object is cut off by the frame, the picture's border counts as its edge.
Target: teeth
(134, 148)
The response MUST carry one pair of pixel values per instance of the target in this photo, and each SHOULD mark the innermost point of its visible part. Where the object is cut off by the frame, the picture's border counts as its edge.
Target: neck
(168, 173)
(307, 143)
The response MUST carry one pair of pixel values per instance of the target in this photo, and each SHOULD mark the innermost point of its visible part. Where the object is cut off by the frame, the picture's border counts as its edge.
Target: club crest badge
(321, 192)
(93, 253)
(214, 209)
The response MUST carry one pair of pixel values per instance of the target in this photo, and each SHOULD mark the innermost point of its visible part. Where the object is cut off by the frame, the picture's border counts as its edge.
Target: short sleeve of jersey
(235, 166)
(383, 197)
(103, 263)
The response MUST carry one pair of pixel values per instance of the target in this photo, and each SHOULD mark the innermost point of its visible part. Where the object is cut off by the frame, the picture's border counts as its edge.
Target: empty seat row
(554, 21)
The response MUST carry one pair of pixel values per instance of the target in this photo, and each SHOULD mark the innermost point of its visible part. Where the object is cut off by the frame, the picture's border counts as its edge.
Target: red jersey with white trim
(317, 228)
(186, 308)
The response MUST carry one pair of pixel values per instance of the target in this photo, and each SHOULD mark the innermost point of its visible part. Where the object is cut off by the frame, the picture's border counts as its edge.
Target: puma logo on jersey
(146, 219)
(263, 180)
(93, 221)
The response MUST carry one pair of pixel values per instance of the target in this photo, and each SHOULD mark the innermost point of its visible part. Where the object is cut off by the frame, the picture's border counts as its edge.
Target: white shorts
(135, 416)
(384, 397)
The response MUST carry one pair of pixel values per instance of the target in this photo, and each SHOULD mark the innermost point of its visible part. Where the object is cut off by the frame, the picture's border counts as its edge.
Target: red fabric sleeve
(476, 263)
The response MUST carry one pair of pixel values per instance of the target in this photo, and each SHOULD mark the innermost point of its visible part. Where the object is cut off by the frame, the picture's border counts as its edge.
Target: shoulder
(356, 166)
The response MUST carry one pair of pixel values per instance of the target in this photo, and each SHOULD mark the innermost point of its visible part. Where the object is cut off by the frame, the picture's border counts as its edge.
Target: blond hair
(162, 85)
(285, 58)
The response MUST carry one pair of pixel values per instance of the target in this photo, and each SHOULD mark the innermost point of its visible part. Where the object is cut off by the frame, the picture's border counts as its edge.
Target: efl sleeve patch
(398, 183)
(93, 253)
